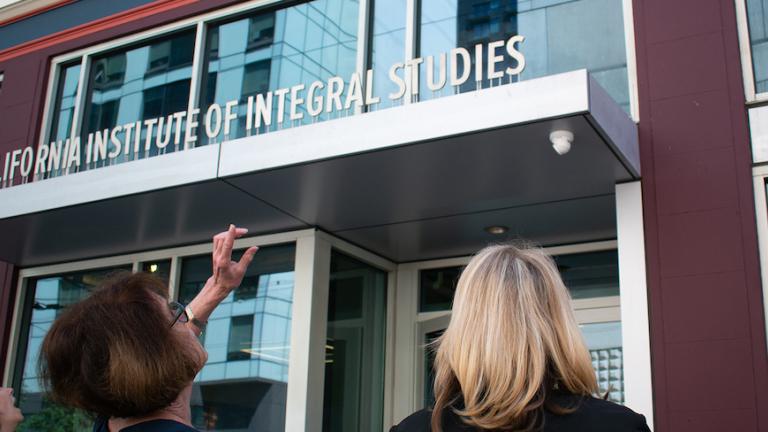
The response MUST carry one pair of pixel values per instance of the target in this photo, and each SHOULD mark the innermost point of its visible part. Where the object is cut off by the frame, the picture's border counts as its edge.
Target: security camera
(561, 141)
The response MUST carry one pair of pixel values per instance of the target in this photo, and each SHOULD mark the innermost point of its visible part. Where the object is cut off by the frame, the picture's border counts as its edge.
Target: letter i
(5, 170)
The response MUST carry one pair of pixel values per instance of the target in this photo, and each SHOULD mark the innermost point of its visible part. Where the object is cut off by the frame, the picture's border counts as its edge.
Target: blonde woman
(513, 358)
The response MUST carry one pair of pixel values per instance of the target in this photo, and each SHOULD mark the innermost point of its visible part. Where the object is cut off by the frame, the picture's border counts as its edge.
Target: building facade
(371, 148)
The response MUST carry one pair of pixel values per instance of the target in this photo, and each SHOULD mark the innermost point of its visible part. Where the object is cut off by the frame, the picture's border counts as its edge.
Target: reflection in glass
(280, 49)
(586, 275)
(354, 356)
(161, 269)
(63, 109)
(437, 287)
(590, 275)
(560, 36)
(757, 11)
(429, 366)
(139, 83)
(605, 347)
(44, 300)
(64, 103)
(387, 46)
(243, 385)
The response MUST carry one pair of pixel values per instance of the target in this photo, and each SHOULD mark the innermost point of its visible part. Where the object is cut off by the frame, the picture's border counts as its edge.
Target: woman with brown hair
(128, 356)
(513, 358)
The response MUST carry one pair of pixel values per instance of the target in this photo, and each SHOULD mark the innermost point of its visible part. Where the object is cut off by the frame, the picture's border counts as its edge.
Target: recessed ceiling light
(496, 229)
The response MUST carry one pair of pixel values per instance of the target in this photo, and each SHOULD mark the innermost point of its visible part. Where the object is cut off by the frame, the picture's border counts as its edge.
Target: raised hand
(228, 274)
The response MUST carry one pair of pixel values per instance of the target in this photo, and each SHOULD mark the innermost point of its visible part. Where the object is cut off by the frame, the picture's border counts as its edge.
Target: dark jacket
(102, 425)
(591, 415)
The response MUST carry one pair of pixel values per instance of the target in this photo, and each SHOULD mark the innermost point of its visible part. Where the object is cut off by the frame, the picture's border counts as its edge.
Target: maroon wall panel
(710, 370)
(7, 296)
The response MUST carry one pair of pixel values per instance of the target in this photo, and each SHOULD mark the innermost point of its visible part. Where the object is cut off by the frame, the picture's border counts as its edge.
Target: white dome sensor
(561, 141)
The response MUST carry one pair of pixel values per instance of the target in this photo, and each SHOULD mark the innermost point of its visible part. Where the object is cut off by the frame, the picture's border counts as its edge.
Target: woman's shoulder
(421, 420)
(101, 425)
(590, 414)
(416, 422)
(593, 414)
(159, 426)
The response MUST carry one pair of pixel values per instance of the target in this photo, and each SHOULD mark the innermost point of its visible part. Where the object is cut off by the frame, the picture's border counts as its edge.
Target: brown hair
(114, 354)
(511, 341)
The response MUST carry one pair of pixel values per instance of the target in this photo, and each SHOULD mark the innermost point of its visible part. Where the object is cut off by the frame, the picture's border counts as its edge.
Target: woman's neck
(178, 411)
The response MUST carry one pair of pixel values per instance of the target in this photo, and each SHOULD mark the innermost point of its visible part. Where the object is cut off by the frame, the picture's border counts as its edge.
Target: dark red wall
(710, 371)
(7, 294)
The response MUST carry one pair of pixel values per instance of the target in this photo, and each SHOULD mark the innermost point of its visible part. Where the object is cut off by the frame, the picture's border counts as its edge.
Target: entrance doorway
(425, 292)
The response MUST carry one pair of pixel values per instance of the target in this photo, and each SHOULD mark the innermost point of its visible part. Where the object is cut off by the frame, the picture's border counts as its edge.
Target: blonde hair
(512, 339)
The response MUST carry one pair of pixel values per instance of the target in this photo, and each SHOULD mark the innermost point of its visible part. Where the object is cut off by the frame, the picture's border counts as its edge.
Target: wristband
(199, 324)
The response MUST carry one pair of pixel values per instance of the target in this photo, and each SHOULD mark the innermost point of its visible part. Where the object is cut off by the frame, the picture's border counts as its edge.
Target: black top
(101, 425)
(591, 415)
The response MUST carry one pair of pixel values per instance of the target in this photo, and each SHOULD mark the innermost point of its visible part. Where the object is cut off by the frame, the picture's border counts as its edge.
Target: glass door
(428, 332)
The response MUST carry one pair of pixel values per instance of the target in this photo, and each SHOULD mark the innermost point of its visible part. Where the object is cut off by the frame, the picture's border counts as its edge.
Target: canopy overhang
(414, 182)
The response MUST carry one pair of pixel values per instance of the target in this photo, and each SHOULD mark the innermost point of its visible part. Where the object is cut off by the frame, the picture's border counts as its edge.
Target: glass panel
(429, 367)
(604, 343)
(243, 385)
(387, 47)
(560, 36)
(437, 287)
(280, 49)
(64, 103)
(161, 269)
(140, 83)
(354, 365)
(587, 275)
(757, 11)
(45, 298)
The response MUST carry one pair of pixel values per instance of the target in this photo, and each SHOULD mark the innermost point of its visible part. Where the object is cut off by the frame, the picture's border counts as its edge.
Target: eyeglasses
(179, 313)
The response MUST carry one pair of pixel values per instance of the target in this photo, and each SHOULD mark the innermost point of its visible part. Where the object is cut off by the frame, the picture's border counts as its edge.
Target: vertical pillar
(635, 331)
(306, 367)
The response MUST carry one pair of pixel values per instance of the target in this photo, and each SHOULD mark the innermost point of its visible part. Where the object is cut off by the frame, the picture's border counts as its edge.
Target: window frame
(412, 26)
(745, 46)
(760, 186)
(201, 22)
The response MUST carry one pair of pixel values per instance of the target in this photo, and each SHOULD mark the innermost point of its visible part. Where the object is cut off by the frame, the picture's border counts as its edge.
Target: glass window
(44, 299)
(429, 366)
(354, 362)
(262, 53)
(161, 269)
(560, 36)
(605, 348)
(144, 82)
(243, 385)
(437, 287)
(387, 46)
(64, 103)
(587, 275)
(757, 12)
